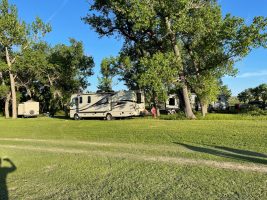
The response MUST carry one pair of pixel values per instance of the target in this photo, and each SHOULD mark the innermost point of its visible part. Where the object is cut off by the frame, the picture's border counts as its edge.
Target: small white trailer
(107, 105)
(28, 109)
(171, 106)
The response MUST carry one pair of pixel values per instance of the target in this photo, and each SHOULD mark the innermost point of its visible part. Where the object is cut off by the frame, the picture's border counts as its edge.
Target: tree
(225, 91)
(254, 94)
(245, 96)
(203, 42)
(28, 79)
(213, 44)
(145, 25)
(5, 96)
(263, 92)
(207, 91)
(160, 77)
(109, 69)
(62, 71)
(67, 73)
(15, 36)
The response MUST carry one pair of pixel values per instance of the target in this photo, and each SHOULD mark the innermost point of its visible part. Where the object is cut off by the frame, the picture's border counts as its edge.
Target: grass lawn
(134, 159)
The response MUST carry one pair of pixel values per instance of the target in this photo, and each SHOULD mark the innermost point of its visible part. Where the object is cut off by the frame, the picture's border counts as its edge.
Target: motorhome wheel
(76, 117)
(109, 117)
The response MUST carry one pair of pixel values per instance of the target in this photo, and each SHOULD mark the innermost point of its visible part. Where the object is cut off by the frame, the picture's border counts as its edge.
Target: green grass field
(135, 159)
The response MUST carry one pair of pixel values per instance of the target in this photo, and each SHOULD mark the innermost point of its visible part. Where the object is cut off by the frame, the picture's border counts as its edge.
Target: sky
(65, 18)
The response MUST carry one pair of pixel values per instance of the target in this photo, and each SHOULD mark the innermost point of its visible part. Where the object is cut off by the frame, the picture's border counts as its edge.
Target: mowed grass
(135, 159)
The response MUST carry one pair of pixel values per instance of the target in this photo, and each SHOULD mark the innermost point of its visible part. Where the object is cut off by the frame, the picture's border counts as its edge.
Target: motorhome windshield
(74, 101)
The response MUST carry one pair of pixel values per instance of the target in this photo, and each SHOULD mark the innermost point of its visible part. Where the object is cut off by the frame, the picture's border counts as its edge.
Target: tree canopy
(204, 44)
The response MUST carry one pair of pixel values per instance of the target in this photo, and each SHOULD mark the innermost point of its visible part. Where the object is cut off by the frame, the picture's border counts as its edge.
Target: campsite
(133, 99)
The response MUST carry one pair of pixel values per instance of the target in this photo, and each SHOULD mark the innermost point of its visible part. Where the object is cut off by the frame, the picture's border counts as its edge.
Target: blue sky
(65, 18)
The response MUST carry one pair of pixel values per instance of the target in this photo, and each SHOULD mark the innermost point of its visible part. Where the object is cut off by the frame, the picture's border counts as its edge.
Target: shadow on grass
(227, 152)
(61, 117)
(4, 171)
(243, 152)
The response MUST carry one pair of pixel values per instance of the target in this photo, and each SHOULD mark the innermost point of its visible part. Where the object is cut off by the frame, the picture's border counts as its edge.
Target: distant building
(221, 103)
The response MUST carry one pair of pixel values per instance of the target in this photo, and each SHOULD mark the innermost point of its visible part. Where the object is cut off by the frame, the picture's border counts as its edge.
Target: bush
(177, 116)
(254, 111)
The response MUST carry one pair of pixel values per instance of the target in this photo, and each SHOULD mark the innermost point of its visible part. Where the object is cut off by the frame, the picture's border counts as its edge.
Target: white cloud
(253, 74)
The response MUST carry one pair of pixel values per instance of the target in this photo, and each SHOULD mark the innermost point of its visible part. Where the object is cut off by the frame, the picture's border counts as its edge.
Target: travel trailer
(28, 109)
(171, 105)
(107, 105)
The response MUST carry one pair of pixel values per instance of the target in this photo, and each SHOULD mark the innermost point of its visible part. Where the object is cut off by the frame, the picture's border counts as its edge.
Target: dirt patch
(103, 144)
(161, 159)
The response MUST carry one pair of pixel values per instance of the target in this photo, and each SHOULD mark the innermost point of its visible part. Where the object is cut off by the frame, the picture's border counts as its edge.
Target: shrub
(177, 116)
(254, 111)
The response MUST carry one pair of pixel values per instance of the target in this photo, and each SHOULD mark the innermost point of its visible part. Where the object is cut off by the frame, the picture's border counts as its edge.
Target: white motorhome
(28, 109)
(107, 105)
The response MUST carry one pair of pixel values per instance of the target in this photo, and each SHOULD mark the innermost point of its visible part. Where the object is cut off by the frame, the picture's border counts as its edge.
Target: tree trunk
(204, 109)
(14, 96)
(158, 112)
(12, 85)
(2, 79)
(188, 108)
(8, 97)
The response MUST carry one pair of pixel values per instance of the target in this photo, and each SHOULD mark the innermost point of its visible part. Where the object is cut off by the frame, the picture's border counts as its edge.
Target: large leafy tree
(251, 94)
(263, 92)
(203, 42)
(109, 69)
(212, 44)
(16, 36)
(143, 24)
(160, 76)
(62, 71)
(245, 96)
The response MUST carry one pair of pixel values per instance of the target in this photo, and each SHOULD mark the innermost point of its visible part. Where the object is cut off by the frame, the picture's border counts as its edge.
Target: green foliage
(13, 32)
(258, 93)
(105, 84)
(3, 91)
(225, 91)
(255, 111)
(206, 44)
(109, 69)
(15, 37)
(161, 72)
(16, 33)
(51, 74)
(245, 96)
(207, 88)
(233, 101)
(177, 116)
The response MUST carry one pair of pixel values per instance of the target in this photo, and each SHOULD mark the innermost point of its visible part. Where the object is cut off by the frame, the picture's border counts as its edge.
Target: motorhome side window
(139, 97)
(172, 101)
(81, 100)
(103, 101)
(89, 99)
